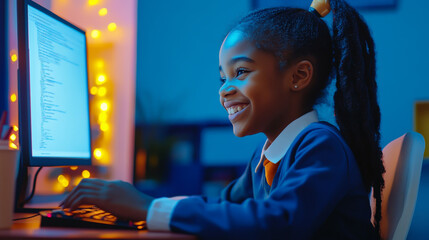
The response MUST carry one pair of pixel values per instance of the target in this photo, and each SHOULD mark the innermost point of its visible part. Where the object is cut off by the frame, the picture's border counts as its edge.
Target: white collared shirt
(279, 147)
(161, 209)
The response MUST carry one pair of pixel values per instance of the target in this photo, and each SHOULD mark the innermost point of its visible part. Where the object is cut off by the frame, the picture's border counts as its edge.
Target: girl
(309, 180)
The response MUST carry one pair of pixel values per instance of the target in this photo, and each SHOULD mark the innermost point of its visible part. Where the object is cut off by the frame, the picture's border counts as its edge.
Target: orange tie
(270, 170)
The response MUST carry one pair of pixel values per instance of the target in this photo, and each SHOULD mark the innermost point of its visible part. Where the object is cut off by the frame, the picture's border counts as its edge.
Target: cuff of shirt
(160, 212)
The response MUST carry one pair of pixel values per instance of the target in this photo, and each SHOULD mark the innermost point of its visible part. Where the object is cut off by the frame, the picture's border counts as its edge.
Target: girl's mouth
(236, 110)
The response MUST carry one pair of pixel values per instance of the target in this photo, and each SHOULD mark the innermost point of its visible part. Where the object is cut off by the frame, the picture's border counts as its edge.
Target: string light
(60, 178)
(111, 27)
(13, 97)
(13, 145)
(12, 137)
(74, 168)
(86, 174)
(102, 91)
(102, 117)
(101, 79)
(94, 90)
(102, 12)
(95, 33)
(63, 180)
(104, 106)
(14, 57)
(104, 127)
(97, 153)
(93, 2)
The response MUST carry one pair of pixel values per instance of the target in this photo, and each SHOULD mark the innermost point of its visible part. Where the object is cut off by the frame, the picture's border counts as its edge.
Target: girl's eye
(222, 80)
(241, 71)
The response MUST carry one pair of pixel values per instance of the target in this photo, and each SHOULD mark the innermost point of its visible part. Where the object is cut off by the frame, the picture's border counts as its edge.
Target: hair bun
(320, 7)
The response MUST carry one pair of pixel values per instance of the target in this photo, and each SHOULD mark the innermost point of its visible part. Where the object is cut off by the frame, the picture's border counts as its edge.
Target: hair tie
(320, 7)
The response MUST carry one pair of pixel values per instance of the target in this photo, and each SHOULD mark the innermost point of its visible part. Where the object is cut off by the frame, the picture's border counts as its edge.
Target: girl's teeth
(235, 109)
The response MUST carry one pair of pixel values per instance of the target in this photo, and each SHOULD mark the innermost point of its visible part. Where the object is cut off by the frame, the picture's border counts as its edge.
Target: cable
(35, 215)
(34, 186)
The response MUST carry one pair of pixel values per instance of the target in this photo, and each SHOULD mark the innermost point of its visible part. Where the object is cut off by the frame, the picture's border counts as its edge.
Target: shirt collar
(278, 148)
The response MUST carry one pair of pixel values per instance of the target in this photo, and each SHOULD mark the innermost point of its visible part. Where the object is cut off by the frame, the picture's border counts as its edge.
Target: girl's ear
(302, 75)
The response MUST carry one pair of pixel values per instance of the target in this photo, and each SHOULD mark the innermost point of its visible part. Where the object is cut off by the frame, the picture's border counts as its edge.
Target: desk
(30, 229)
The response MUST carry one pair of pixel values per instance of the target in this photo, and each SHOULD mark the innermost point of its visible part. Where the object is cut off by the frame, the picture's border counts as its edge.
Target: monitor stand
(21, 192)
(21, 185)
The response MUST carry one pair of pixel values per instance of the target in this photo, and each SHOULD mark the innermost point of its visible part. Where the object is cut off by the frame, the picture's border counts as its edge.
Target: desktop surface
(30, 229)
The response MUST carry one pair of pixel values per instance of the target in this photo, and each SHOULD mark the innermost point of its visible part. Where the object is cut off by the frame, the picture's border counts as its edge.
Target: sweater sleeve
(161, 209)
(307, 192)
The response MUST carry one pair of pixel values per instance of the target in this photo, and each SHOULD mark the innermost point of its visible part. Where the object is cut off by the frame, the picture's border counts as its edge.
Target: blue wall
(177, 61)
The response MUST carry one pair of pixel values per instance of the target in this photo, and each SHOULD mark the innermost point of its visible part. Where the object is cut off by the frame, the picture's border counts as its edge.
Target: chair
(403, 158)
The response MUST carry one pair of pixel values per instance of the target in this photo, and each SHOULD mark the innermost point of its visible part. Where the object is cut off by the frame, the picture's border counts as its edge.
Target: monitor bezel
(24, 92)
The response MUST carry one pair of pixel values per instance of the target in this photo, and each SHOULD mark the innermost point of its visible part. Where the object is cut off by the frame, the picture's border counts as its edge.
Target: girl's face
(255, 93)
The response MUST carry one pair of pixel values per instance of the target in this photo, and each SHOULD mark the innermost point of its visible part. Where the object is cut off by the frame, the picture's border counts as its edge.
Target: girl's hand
(117, 197)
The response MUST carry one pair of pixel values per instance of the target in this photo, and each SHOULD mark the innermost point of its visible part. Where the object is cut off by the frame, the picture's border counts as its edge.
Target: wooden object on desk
(421, 119)
(30, 229)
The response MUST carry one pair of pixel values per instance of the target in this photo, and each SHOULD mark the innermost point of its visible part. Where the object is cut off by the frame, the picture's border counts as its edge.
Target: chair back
(403, 159)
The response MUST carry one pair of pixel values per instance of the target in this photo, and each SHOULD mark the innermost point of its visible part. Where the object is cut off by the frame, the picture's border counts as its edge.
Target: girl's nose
(227, 89)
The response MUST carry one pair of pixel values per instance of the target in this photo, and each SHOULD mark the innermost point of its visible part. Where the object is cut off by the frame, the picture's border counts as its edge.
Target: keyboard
(87, 217)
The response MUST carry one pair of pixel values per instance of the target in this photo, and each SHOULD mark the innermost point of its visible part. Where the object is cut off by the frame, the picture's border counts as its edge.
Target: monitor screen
(54, 102)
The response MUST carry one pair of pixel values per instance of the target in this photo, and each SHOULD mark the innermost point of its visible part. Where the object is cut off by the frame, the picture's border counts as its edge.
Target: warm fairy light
(14, 57)
(102, 91)
(102, 12)
(111, 27)
(101, 79)
(104, 127)
(95, 33)
(12, 137)
(86, 174)
(65, 183)
(63, 180)
(97, 153)
(13, 145)
(102, 117)
(104, 106)
(94, 90)
(93, 2)
(13, 97)
(15, 128)
(74, 168)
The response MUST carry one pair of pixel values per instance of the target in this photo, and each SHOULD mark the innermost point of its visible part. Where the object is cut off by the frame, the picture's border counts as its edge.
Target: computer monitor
(54, 122)
(53, 89)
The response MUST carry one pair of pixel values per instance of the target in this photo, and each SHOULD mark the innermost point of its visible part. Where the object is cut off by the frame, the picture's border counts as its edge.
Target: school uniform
(316, 193)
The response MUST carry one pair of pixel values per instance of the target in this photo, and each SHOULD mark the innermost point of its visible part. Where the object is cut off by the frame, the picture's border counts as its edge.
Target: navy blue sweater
(317, 193)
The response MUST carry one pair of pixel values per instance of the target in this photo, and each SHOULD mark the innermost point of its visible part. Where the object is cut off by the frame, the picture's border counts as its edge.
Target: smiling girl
(309, 180)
